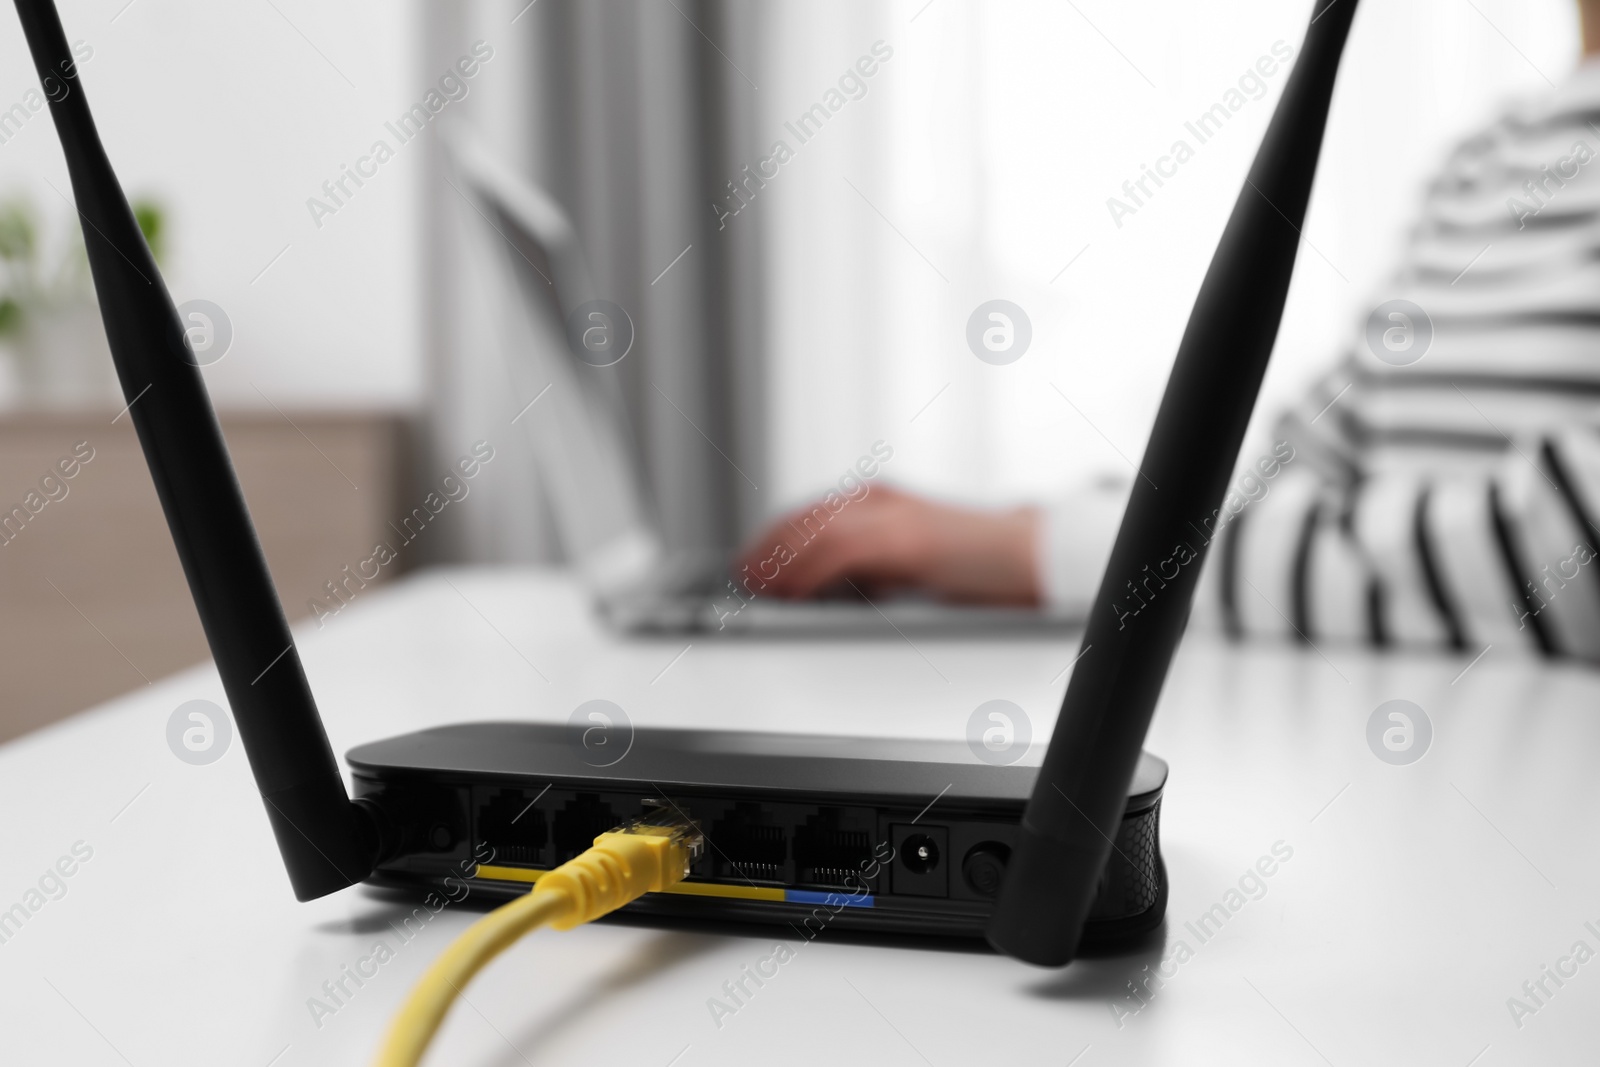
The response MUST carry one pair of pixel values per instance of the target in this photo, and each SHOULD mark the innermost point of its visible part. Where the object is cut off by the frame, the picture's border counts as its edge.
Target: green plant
(18, 263)
(25, 289)
(17, 231)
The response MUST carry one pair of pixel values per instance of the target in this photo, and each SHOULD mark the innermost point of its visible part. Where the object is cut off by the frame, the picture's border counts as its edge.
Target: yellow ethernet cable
(645, 855)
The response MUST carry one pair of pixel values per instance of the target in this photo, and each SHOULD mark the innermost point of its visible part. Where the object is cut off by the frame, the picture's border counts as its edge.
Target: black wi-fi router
(886, 835)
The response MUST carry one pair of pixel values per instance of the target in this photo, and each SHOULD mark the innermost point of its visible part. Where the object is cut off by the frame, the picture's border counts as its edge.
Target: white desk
(1418, 898)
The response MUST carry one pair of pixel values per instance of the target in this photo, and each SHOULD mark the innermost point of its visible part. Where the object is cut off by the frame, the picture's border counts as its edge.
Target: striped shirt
(1443, 485)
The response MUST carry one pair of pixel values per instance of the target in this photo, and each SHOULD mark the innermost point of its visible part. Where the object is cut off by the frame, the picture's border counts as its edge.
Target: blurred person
(1450, 501)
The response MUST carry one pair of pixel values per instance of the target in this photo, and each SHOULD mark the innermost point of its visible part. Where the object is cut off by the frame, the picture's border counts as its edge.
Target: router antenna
(327, 841)
(1078, 799)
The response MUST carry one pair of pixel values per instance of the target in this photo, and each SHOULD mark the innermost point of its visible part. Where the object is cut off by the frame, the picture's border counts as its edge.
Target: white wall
(991, 142)
(233, 114)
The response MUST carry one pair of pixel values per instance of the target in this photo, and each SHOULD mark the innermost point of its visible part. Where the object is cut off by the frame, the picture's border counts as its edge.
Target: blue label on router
(832, 900)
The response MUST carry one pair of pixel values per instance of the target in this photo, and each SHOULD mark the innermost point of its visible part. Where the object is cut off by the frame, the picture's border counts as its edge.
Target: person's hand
(890, 540)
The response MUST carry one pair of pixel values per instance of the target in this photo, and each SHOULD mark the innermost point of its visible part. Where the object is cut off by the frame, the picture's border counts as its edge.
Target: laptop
(587, 459)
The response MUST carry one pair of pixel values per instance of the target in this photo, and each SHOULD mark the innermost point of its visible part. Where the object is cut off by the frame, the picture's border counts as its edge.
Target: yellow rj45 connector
(644, 855)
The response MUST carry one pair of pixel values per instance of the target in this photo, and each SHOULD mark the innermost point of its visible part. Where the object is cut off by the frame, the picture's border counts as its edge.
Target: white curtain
(628, 115)
(978, 165)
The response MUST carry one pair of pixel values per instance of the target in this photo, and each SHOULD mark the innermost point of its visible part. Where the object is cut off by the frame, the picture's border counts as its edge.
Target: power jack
(921, 854)
(920, 869)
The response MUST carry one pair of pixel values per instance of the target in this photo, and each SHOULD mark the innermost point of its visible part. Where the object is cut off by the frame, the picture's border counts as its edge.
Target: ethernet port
(578, 822)
(834, 848)
(747, 845)
(510, 824)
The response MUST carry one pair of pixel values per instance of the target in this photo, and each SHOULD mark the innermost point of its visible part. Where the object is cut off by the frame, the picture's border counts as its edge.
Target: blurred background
(791, 307)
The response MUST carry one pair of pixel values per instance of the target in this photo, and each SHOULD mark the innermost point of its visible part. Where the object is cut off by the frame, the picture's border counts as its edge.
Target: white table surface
(1417, 900)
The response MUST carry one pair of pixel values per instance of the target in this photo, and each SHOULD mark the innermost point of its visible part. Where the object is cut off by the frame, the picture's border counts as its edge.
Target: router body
(901, 836)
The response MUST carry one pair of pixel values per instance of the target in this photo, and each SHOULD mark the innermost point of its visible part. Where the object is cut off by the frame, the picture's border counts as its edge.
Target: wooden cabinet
(92, 599)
